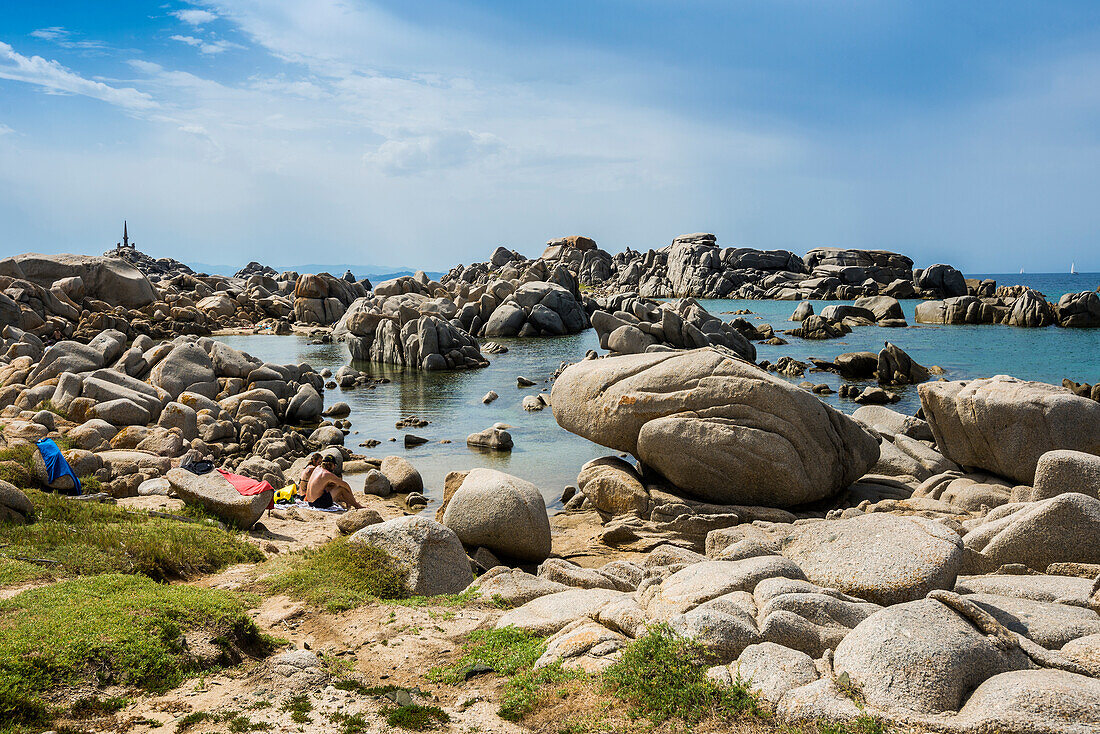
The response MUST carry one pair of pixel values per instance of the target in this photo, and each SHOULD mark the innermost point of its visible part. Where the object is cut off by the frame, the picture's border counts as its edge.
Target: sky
(426, 134)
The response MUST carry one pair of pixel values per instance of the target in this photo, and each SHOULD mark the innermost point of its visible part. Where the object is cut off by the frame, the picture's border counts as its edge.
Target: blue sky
(428, 133)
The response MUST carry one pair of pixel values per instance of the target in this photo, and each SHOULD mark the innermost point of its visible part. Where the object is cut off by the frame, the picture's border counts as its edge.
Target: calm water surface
(550, 457)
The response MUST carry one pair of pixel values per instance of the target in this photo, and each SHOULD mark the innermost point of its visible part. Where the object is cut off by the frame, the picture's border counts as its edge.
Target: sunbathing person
(314, 462)
(325, 489)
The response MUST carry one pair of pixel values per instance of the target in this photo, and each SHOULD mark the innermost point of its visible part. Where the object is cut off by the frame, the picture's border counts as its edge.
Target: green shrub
(17, 466)
(337, 576)
(512, 653)
(298, 707)
(662, 676)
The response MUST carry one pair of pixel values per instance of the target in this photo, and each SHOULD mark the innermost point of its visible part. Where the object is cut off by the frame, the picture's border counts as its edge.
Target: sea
(550, 457)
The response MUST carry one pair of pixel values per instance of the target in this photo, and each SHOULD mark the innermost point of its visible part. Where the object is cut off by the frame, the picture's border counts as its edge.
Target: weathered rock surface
(430, 554)
(715, 426)
(1003, 425)
(883, 558)
(921, 657)
(503, 513)
(216, 495)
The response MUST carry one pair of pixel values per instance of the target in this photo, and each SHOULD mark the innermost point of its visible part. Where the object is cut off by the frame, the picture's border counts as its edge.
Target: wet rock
(496, 439)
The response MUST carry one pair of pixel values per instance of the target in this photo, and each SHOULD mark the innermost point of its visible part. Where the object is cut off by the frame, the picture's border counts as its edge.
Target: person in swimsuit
(324, 488)
(303, 483)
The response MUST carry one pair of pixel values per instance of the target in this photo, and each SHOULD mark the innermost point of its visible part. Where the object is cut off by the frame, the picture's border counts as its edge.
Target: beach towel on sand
(246, 486)
(56, 466)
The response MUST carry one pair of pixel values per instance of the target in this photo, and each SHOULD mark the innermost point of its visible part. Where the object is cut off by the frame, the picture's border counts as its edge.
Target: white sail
(1073, 268)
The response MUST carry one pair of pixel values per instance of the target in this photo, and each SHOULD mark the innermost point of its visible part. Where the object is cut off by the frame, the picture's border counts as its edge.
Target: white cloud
(216, 46)
(5, 130)
(195, 17)
(55, 78)
(438, 151)
(62, 37)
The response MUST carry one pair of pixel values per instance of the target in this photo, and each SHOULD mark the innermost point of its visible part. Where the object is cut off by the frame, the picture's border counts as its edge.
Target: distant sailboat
(1021, 271)
(1073, 268)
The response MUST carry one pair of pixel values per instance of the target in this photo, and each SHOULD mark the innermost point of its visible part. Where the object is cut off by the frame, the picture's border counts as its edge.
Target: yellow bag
(286, 494)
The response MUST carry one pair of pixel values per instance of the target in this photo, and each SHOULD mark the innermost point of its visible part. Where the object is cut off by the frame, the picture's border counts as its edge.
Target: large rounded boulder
(502, 513)
(716, 426)
(883, 558)
(1003, 425)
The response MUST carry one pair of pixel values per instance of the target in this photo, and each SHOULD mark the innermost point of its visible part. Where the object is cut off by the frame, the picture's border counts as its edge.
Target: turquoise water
(550, 457)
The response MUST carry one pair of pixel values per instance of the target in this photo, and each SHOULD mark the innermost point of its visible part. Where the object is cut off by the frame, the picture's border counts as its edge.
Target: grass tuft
(417, 718)
(298, 707)
(504, 651)
(337, 576)
(662, 676)
(17, 466)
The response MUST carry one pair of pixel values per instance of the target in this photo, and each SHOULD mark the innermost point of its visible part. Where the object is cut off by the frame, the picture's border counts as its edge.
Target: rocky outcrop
(1003, 425)
(716, 426)
(630, 325)
(1079, 310)
(106, 279)
(408, 331)
(537, 309)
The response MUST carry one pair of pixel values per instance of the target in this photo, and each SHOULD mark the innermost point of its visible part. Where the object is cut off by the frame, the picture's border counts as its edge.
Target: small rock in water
(410, 422)
(416, 501)
(411, 440)
(489, 397)
(491, 438)
(522, 381)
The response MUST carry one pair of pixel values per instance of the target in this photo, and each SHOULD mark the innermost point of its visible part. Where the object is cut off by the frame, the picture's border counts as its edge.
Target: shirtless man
(324, 488)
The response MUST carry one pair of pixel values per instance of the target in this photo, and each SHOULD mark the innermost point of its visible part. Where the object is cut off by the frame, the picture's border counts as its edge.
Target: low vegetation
(113, 629)
(663, 676)
(511, 653)
(659, 684)
(417, 718)
(17, 466)
(337, 576)
(75, 538)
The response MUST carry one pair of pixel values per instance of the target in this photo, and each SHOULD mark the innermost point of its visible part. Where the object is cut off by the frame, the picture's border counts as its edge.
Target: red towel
(247, 487)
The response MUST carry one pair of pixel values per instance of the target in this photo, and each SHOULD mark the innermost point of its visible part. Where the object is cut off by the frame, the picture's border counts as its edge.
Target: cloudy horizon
(348, 131)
